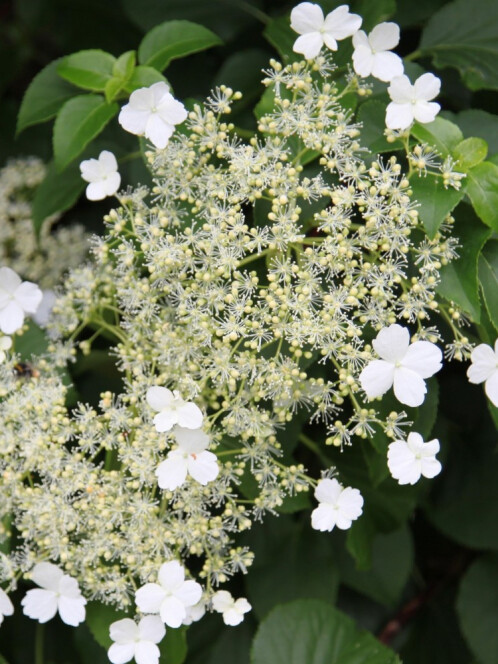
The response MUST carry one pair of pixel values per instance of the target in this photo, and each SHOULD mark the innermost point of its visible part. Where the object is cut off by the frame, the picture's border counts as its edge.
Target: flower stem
(39, 637)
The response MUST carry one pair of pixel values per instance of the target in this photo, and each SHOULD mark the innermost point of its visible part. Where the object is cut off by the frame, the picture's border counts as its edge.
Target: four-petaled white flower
(17, 298)
(171, 596)
(136, 641)
(6, 606)
(372, 55)
(232, 610)
(316, 30)
(339, 506)
(403, 365)
(5, 344)
(408, 460)
(57, 592)
(484, 369)
(102, 174)
(189, 458)
(172, 409)
(412, 102)
(152, 112)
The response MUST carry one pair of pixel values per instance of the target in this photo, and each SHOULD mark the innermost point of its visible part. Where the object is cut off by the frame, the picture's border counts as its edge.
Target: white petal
(384, 36)
(309, 45)
(157, 131)
(328, 491)
(363, 61)
(361, 39)
(171, 575)
(142, 99)
(414, 442)
(232, 617)
(401, 90)
(159, 398)
(69, 587)
(121, 653)
(427, 87)
(425, 111)
(72, 611)
(491, 388)
(42, 315)
(96, 191)
(151, 628)
(133, 120)
(47, 575)
(125, 630)
(189, 593)
(172, 472)
(242, 605)
(329, 41)
(386, 66)
(350, 504)
(190, 416)
(40, 604)
(203, 467)
(430, 467)
(409, 387)
(149, 598)
(111, 184)
(5, 344)
(108, 161)
(323, 517)
(399, 116)
(341, 24)
(377, 378)
(484, 364)
(392, 343)
(159, 90)
(222, 601)
(6, 606)
(194, 613)
(423, 357)
(146, 653)
(9, 280)
(172, 111)
(165, 420)
(172, 611)
(11, 318)
(307, 17)
(402, 463)
(90, 170)
(191, 440)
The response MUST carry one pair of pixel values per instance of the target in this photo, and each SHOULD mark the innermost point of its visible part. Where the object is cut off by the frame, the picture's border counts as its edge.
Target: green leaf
(435, 202)
(124, 65)
(482, 188)
(282, 37)
(143, 77)
(174, 39)
(372, 114)
(90, 70)
(173, 647)
(477, 607)
(80, 120)
(441, 134)
(98, 618)
(470, 152)
(475, 122)
(312, 632)
(373, 12)
(488, 278)
(32, 342)
(466, 40)
(459, 281)
(112, 88)
(45, 95)
(58, 192)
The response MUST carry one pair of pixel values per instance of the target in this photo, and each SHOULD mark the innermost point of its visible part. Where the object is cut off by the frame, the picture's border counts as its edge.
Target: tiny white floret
(17, 298)
(484, 369)
(403, 366)
(190, 458)
(6, 606)
(171, 597)
(412, 102)
(153, 112)
(339, 506)
(172, 409)
(409, 459)
(307, 20)
(136, 641)
(102, 174)
(57, 592)
(233, 610)
(5, 344)
(372, 54)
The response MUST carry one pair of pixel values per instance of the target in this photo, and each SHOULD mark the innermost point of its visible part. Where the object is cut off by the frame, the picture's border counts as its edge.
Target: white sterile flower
(412, 102)
(403, 365)
(189, 458)
(153, 112)
(136, 641)
(102, 174)
(316, 30)
(57, 592)
(194, 613)
(42, 315)
(5, 344)
(339, 506)
(17, 298)
(172, 409)
(408, 459)
(232, 610)
(484, 369)
(171, 596)
(6, 606)
(372, 54)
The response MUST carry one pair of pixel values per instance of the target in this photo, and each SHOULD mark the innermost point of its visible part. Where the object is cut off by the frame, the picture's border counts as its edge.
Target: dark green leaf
(482, 188)
(58, 192)
(174, 39)
(90, 70)
(435, 202)
(475, 122)
(174, 646)
(477, 607)
(372, 114)
(282, 37)
(373, 12)
(80, 120)
(441, 134)
(459, 278)
(32, 342)
(143, 77)
(98, 618)
(488, 278)
(45, 95)
(466, 40)
(312, 632)
(470, 152)
(427, 412)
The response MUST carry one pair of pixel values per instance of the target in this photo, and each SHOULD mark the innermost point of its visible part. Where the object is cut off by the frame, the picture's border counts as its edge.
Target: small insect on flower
(233, 610)
(25, 370)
